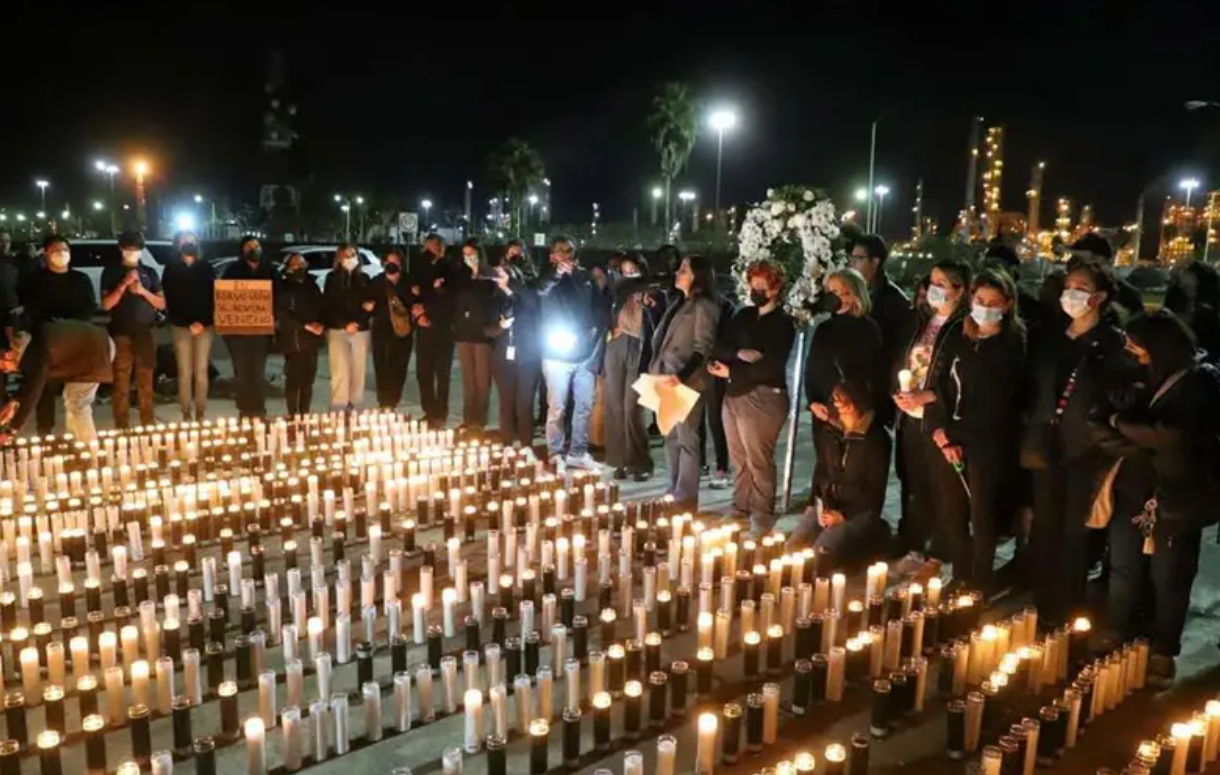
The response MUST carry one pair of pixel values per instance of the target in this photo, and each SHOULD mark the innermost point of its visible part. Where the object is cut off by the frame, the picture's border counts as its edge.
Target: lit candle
(165, 685)
(31, 675)
(339, 715)
(667, 751)
(293, 747)
(427, 706)
(705, 751)
(838, 594)
(473, 702)
(267, 698)
(402, 701)
(770, 713)
(256, 746)
(704, 625)
(116, 696)
(633, 763)
(835, 759)
(316, 633)
(419, 610)
(835, 674)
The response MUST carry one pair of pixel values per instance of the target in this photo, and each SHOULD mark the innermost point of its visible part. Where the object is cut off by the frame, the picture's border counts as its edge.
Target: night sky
(395, 107)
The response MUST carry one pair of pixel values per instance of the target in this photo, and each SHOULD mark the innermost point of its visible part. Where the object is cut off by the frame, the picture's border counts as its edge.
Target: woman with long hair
(298, 331)
(1164, 486)
(347, 305)
(974, 423)
(518, 359)
(681, 348)
(476, 320)
(928, 480)
(392, 330)
(630, 335)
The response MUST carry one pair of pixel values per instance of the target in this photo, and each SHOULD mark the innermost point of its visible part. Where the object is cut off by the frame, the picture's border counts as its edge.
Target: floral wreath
(797, 228)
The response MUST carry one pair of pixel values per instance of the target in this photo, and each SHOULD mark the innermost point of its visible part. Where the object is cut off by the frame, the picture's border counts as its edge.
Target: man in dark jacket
(72, 352)
(890, 306)
(575, 317)
(432, 283)
(131, 293)
(189, 285)
(249, 351)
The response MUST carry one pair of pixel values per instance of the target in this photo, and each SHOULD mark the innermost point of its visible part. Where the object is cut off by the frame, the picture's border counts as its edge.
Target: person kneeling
(853, 465)
(73, 352)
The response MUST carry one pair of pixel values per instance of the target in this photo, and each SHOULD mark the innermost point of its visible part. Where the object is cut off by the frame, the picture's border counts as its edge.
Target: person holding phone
(131, 293)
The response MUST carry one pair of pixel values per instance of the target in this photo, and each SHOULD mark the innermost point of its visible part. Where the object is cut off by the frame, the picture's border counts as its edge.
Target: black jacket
(297, 304)
(476, 310)
(892, 310)
(977, 393)
(438, 302)
(852, 469)
(772, 335)
(380, 289)
(61, 351)
(1101, 367)
(1172, 445)
(189, 293)
(573, 305)
(845, 347)
(241, 270)
(48, 296)
(344, 297)
(525, 308)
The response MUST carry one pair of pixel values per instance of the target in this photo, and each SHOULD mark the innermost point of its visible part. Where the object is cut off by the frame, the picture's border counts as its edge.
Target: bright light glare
(1189, 184)
(97, 205)
(198, 199)
(184, 222)
(100, 165)
(427, 203)
(723, 120)
(561, 340)
(882, 190)
(861, 194)
(686, 196)
(141, 168)
(656, 192)
(41, 183)
(533, 199)
(359, 200)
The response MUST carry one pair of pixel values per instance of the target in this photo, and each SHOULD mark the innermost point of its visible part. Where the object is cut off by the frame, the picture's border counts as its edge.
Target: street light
(97, 206)
(42, 189)
(109, 170)
(140, 167)
(657, 193)
(861, 194)
(722, 120)
(881, 192)
(427, 205)
(347, 221)
(1201, 104)
(1188, 185)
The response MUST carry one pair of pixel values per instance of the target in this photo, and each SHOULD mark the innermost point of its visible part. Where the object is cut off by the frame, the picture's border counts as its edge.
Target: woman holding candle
(1164, 486)
(476, 319)
(752, 355)
(925, 474)
(974, 423)
(346, 303)
(299, 329)
(1073, 375)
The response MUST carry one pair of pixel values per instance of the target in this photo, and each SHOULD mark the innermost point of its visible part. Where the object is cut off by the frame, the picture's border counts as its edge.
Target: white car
(320, 259)
(91, 256)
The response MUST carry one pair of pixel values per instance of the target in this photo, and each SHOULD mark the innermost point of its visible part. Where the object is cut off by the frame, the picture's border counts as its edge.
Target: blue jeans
(562, 379)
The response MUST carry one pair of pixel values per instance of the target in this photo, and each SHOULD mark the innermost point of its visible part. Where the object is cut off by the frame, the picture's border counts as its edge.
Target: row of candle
(1189, 747)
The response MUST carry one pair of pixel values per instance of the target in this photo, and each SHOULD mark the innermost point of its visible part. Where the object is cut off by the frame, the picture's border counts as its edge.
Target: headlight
(561, 340)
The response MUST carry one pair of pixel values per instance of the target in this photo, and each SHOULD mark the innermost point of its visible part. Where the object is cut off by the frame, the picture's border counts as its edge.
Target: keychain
(1146, 522)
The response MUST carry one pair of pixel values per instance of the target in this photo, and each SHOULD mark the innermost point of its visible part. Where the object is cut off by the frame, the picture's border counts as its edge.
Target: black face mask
(295, 274)
(254, 255)
(392, 269)
(758, 298)
(829, 303)
(189, 249)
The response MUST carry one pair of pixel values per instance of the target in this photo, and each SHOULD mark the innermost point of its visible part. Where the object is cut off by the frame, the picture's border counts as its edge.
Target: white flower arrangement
(796, 227)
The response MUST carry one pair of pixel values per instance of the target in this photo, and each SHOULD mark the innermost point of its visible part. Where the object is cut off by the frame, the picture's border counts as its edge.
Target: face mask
(296, 273)
(392, 269)
(253, 255)
(131, 257)
(61, 259)
(937, 296)
(830, 303)
(189, 249)
(759, 298)
(1075, 303)
(471, 261)
(986, 315)
(350, 264)
(630, 275)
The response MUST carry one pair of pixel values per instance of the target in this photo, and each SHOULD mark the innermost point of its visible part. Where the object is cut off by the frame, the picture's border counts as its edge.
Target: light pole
(141, 169)
(360, 203)
(1188, 185)
(872, 167)
(686, 198)
(42, 190)
(427, 205)
(211, 215)
(657, 193)
(722, 121)
(109, 170)
(881, 192)
(533, 200)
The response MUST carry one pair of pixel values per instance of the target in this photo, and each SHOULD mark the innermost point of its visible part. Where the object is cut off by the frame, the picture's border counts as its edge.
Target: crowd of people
(1072, 420)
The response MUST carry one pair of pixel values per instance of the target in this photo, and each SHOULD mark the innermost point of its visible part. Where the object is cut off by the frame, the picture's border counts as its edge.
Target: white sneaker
(556, 462)
(585, 462)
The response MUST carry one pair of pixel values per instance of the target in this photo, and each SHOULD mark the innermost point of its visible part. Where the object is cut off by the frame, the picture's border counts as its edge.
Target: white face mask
(986, 315)
(937, 296)
(471, 261)
(60, 259)
(350, 264)
(1075, 303)
(131, 257)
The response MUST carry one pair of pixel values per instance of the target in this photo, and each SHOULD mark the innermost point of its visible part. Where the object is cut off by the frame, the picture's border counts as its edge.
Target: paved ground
(917, 748)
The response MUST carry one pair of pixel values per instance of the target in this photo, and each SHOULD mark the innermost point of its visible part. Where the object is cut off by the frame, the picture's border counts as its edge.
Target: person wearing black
(888, 305)
(846, 346)
(131, 293)
(249, 351)
(628, 348)
(54, 292)
(574, 318)
(974, 422)
(347, 304)
(392, 331)
(1096, 247)
(1194, 296)
(476, 320)
(72, 353)
(518, 358)
(1163, 487)
(431, 285)
(298, 331)
(750, 358)
(1072, 375)
(713, 428)
(12, 271)
(849, 482)
(189, 284)
(929, 482)
(682, 347)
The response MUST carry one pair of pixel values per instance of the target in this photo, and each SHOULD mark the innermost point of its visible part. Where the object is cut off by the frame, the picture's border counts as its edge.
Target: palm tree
(515, 167)
(673, 122)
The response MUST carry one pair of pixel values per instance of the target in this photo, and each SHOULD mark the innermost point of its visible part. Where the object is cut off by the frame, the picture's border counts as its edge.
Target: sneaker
(620, 473)
(584, 461)
(1161, 671)
(908, 565)
(556, 462)
(641, 475)
(720, 481)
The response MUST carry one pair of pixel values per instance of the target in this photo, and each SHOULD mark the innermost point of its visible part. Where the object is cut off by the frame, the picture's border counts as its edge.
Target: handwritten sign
(244, 307)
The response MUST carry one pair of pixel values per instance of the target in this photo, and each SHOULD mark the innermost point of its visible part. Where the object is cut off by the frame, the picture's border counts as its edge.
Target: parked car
(320, 259)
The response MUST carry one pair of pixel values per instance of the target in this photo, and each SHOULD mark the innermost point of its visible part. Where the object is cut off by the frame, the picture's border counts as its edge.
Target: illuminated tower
(1063, 218)
(993, 160)
(917, 229)
(965, 220)
(1210, 216)
(1034, 194)
(1086, 221)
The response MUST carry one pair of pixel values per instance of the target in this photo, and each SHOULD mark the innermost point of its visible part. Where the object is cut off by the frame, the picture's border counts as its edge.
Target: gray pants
(191, 354)
(474, 360)
(626, 434)
(752, 423)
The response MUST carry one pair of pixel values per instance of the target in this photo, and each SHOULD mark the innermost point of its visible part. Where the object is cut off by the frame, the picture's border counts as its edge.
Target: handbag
(400, 316)
(1039, 448)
